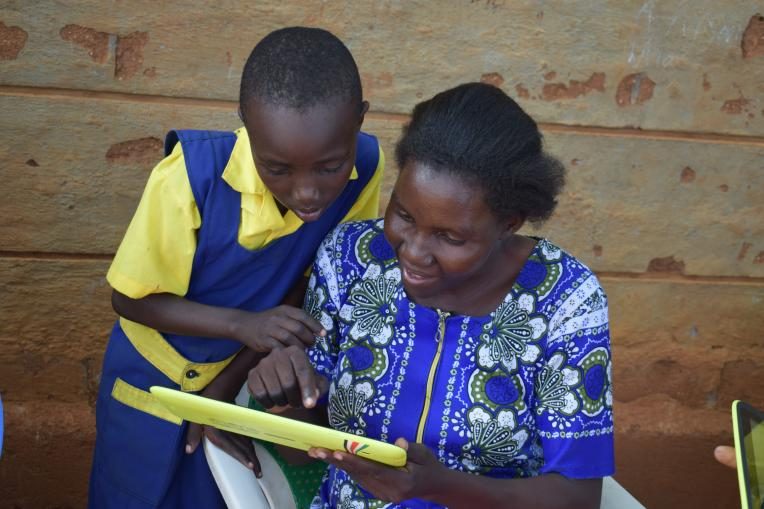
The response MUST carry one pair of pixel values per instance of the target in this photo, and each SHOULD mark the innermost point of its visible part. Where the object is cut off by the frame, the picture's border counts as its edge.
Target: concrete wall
(657, 109)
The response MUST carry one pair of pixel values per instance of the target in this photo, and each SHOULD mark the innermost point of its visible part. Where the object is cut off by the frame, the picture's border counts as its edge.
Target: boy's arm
(260, 331)
(225, 387)
(152, 270)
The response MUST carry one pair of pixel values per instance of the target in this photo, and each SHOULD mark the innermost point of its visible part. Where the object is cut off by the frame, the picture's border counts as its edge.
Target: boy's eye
(334, 169)
(276, 171)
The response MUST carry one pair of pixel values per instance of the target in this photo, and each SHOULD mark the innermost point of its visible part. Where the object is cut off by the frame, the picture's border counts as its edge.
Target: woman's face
(445, 236)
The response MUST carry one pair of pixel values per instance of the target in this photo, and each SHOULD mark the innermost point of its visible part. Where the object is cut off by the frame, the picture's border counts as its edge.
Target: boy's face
(304, 157)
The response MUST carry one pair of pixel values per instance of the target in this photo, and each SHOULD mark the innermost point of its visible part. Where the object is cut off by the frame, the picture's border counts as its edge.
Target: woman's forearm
(459, 490)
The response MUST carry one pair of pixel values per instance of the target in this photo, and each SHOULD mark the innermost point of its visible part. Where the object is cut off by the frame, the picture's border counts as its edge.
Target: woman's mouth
(416, 277)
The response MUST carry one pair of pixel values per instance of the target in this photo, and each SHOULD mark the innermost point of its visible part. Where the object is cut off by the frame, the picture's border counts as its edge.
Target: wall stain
(633, 89)
(752, 43)
(140, 151)
(666, 264)
(687, 175)
(96, 43)
(12, 41)
(492, 78)
(744, 251)
(734, 106)
(129, 57)
(574, 88)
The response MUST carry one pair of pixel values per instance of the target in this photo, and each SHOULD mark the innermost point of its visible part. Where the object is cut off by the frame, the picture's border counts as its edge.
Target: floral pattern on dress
(494, 441)
(348, 403)
(511, 335)
(371, 307)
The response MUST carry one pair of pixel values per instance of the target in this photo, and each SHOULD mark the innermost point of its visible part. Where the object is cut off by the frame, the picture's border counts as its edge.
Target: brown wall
(657, 109)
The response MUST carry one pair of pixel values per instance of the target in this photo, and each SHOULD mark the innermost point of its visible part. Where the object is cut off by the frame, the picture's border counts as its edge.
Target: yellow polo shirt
(158, 249)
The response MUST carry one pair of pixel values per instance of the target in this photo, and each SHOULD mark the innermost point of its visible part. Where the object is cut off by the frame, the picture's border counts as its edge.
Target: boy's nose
(306, 195)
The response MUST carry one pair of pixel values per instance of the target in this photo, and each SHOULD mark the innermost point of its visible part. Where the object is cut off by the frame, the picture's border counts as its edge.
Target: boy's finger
(301, 334)
(193, 436)
(311, 323)
(228, 444)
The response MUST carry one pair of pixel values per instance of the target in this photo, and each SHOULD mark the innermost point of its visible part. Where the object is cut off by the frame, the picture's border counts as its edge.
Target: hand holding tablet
(274, 428)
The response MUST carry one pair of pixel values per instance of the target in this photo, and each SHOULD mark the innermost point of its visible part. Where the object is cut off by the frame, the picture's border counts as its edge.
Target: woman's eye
(403, 215)
(451, 240)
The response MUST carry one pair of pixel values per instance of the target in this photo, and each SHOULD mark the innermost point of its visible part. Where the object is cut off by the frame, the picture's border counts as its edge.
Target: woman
(480, 350)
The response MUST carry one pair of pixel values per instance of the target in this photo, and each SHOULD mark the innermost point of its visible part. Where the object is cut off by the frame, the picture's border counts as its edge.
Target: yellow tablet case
(274, 428)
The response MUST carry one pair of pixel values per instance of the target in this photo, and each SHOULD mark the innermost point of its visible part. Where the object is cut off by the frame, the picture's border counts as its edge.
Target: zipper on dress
(442, 316)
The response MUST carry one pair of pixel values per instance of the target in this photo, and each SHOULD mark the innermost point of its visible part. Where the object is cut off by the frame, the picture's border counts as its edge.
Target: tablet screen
(752, 435)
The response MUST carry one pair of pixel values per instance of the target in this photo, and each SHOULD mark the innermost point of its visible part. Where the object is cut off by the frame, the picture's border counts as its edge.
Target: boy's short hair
(300, 67)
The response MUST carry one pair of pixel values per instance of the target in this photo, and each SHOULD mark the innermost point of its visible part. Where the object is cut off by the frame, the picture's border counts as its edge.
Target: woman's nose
(415, 250)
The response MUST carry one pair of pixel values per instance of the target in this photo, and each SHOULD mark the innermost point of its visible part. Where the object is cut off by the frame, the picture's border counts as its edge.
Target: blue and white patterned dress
(520, 392)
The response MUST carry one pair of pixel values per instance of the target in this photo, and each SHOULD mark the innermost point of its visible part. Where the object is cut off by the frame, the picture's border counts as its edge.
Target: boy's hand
(278, 327)
(286, 377)
(237, 446)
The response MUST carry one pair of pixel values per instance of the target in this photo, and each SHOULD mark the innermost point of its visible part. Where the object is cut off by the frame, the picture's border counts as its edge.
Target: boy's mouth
(309, 214)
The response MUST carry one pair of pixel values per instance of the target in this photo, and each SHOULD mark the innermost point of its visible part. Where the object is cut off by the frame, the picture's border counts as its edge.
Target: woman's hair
(478, 133)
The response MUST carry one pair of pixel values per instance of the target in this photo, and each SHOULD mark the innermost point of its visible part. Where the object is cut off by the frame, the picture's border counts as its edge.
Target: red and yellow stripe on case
(354, 447)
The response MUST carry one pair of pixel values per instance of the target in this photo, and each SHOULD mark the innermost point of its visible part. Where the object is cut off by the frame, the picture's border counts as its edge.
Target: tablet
(748, 427)
(274, 428)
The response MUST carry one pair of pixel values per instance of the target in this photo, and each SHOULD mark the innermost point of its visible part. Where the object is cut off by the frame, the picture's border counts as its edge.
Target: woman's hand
(286, 378)
(275, 328)
(417, 479)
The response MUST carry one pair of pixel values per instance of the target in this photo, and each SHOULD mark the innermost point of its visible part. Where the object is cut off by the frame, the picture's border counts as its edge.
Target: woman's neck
(485, 292)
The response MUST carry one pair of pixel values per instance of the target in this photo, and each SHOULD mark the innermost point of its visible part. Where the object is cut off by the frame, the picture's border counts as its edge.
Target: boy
(226, 228)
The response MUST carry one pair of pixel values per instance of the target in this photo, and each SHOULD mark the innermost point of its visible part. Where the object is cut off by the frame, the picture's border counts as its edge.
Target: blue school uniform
(139, 459)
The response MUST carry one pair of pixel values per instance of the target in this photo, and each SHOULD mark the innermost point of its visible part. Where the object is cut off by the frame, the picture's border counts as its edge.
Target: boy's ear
(238, 112)
(364, 110)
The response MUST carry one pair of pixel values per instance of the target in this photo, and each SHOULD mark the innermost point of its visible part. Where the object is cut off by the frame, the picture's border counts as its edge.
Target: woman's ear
(513, 223)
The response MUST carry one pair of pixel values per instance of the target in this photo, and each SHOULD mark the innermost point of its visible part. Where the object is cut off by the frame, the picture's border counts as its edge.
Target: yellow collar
(261, 220)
